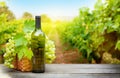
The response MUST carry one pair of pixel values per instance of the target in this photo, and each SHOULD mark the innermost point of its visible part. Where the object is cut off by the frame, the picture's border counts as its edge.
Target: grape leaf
(20, 54)
(28, 26)
(24, 51)
(28, 53)
(20, 40)
(117, 45)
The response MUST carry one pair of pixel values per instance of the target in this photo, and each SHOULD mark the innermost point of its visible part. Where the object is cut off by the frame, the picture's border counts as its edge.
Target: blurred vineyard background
(91, 37)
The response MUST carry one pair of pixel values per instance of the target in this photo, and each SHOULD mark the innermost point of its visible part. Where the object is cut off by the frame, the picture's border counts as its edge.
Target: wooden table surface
(68, 71)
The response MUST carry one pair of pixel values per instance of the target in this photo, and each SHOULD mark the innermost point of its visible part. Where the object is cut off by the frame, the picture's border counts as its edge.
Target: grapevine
(49, 50)
(10, 53)
(96, 32)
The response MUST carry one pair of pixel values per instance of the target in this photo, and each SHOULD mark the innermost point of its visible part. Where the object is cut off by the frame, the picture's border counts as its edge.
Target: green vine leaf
(20, 54)
(20, 40)
(28, 26)
(24, 51)
(29, 53)
(117, 45)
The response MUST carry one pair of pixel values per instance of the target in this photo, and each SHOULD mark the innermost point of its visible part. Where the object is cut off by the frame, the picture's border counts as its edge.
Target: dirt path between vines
(59, 50)
(65, 56)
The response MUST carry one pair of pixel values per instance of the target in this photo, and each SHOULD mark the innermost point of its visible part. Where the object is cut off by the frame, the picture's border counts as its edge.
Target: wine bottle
(38, 46)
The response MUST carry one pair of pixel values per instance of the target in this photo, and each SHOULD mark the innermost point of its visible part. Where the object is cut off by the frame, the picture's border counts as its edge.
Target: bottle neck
(37, 27)
(38, 23)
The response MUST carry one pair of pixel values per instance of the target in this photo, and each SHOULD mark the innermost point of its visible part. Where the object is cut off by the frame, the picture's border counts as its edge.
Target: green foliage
(23, 51)
(96, 32)
(4, 9)
(118, 45)
(2, 51)
(78, 33)
(18, 43)
(20, 40)
(108, 25)
(28, 26)
(7, 29)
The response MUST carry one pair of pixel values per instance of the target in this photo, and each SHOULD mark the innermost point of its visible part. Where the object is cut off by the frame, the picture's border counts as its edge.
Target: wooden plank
(69, 71)
(83, 68)
(26, 75)
(85, 65)
(75, 68)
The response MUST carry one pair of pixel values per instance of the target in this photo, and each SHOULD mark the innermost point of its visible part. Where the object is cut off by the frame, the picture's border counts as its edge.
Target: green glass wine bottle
(38, 46)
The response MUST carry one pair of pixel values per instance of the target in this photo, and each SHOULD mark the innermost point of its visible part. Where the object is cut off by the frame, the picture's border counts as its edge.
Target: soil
(1, 59)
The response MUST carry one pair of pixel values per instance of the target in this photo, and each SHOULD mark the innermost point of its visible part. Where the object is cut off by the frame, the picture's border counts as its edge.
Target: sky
(53, 8)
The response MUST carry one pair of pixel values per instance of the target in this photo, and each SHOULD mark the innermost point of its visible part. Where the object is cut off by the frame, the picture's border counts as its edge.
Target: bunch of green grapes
(28, 37)
(49, 51)
(4, 38)
(10, 53)
(107, 58)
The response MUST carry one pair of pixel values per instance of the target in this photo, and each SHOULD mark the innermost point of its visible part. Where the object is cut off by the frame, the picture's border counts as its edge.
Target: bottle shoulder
(38, 33)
